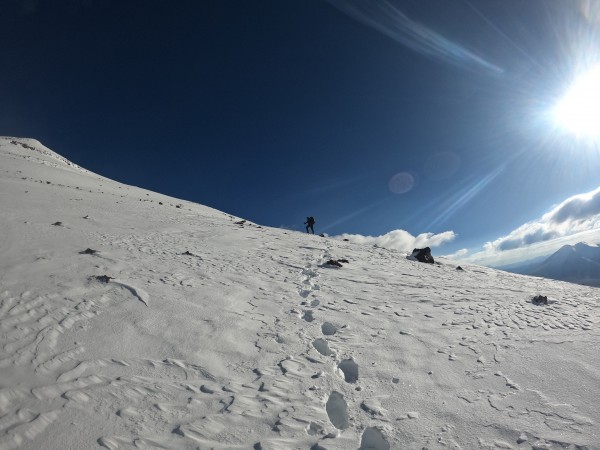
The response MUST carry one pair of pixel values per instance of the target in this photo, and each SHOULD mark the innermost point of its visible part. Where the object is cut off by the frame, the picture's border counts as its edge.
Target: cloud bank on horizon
(575, 219)
(401, 240)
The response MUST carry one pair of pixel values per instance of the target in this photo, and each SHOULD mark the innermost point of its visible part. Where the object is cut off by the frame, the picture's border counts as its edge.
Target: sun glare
(579, 110)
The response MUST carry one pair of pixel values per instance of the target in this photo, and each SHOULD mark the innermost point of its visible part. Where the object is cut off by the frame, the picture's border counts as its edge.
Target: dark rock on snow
(103, 278)
(333, 262)
(423, 255)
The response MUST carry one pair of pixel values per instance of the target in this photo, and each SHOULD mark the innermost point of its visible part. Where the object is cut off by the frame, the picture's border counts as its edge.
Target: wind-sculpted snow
(144, 321)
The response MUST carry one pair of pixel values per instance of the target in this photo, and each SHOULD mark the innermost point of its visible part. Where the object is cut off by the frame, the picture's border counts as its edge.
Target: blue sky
(401, 123)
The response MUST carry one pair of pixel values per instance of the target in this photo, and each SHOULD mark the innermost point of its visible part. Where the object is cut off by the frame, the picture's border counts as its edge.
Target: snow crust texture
(129, 319)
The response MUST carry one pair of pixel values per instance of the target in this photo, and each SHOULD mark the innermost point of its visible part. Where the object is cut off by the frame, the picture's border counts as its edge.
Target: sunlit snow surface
(129, 319)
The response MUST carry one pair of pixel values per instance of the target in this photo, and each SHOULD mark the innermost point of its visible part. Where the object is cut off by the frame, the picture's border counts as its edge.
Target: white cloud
(401, 240)
(574, 215)
(458, 254)
(574, 220)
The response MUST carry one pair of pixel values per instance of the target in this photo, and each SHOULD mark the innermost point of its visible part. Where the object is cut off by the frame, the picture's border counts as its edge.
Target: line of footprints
(336, 406)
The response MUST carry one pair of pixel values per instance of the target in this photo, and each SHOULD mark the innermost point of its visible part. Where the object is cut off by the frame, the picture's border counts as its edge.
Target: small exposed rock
(103, 278)
(333, 262)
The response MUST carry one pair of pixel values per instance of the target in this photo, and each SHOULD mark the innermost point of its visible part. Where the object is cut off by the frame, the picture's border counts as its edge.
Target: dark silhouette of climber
(310, 221)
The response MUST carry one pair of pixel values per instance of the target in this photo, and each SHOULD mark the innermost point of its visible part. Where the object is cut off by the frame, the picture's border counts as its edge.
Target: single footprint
(328, 329)
(308, 315)
(373, 439)
(337, 411)
(350, 370)
(322, 347)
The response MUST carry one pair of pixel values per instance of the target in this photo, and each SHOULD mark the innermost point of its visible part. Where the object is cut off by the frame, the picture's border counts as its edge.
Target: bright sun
(579, 110)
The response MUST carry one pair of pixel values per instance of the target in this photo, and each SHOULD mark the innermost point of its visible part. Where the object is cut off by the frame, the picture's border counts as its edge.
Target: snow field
(184, 328)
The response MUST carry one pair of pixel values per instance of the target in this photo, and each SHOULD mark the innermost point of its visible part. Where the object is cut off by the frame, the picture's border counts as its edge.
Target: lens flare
(386, 18)
(401, 183)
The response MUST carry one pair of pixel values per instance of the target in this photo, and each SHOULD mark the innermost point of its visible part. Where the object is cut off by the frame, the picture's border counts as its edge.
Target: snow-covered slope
(129, 319)
(579, 263)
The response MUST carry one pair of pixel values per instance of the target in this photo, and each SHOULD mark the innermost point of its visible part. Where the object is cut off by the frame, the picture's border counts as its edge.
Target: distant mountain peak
(577, 263)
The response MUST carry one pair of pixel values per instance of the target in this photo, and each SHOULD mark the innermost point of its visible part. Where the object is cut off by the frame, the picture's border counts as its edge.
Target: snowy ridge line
(36, 146)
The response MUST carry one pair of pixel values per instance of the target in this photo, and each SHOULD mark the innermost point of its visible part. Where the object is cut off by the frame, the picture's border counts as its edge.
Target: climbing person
(310, 221)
